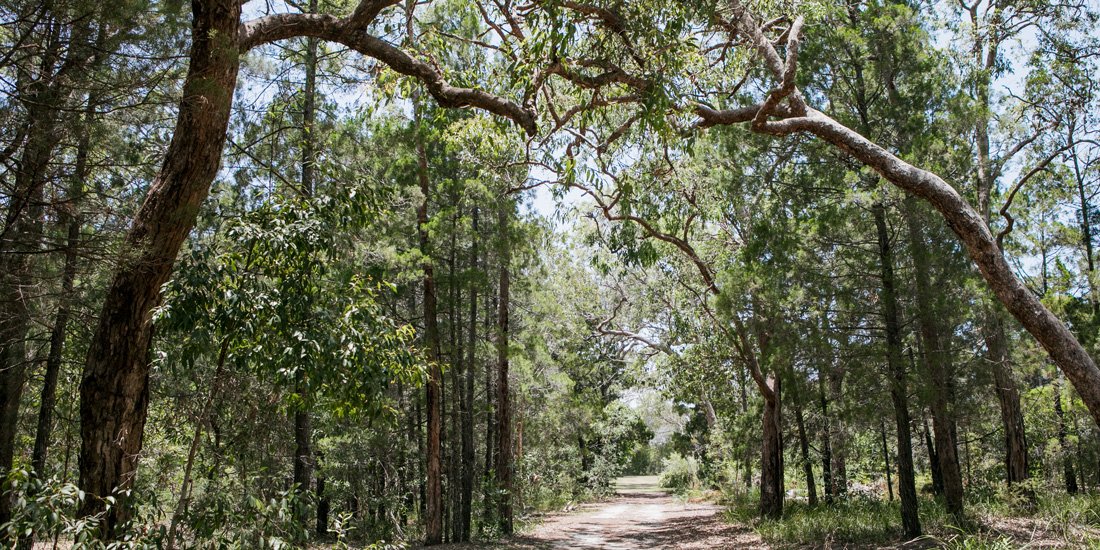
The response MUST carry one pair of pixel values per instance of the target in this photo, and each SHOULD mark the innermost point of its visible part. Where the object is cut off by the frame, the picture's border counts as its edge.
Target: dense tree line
(277, 268)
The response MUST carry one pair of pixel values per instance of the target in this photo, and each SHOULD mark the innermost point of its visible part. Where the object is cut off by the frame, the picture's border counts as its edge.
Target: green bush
(680, 473)
(46, 508)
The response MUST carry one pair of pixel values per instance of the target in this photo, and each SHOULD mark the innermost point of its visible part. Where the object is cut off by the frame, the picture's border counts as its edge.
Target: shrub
(680, 473)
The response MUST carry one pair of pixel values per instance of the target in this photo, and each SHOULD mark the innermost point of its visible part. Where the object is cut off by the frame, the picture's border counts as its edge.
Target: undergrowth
(1056, 520)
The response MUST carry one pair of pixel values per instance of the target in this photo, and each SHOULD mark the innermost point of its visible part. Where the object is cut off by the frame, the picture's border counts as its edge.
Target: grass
(1058, 521)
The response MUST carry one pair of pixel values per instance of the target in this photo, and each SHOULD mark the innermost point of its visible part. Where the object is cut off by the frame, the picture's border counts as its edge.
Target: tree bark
(807, 464)
(993, 329)
(886, 460)
(303, 428)
(937, 363)
(20, 241)
(504, 411)
(71, 219)
(324, 504)
(771, 459)
(1008, 398)
(1069, 475)
(898, 390)
(489, 477)
(826, 442)
(303, 458)
(434, 404)
(114, 392)
(933, 463)
(467, 413)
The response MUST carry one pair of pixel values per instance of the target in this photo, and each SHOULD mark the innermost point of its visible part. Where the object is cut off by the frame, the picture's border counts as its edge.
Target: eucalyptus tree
(114, 392)
(621, 51)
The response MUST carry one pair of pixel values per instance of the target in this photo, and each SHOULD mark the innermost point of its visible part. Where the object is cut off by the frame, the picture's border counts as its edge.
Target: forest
(549, 274)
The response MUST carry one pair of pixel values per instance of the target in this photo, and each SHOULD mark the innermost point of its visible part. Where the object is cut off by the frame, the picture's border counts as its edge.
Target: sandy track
(639, 516)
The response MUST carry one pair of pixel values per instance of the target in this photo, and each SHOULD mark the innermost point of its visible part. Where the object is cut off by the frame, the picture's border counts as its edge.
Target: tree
(114, 391)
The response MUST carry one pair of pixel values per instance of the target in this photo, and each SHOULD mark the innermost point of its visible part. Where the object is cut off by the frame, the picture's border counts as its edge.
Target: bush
(46, 508)
(679, 473)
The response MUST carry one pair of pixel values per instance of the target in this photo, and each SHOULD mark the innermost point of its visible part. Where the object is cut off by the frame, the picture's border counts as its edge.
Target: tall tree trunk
(303, 426)
(468, 412)
(771, 455)
(504, 410)
(804, 446)
(434, 403)
(114, 392)
(489, 476)
(1069, 476)
(1086, 225)
(324, 504)
(833, 387)
(747, 459)
(826, 442)
(839, 439)
(933, 463)
(937, 363)
(886, 460)
(1008, 397)
(303, 457)
(20, 242)
(71, 219)
(899, 388)
(454, 449)
(993, 330)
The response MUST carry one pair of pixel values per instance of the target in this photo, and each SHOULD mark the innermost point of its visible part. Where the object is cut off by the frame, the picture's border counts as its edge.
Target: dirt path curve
(641, 515)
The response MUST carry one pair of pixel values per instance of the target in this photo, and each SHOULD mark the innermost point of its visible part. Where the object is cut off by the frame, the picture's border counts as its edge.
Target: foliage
(679, 473)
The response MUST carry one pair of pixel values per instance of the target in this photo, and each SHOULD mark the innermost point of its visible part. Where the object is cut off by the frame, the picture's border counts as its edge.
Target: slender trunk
(839, 438)
(20, 242)
(434, 490)
(458, 375)
(1069, 476)
(203, 420)
(489, 476)
(807, 464)
(826, 443)
(886, 460)
(70, 217)
(933, 463)
(114, 392)
(421, 462)
(937, 363)
(1008, 397)
(467, 413)
(324, 504)
(303, 454)
(303, 428)
(746, 461)
(504, 411)
(1086, 228)
(898, 391)
(993, 330)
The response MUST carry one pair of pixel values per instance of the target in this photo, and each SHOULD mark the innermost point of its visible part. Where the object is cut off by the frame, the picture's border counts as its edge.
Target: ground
(640, 515)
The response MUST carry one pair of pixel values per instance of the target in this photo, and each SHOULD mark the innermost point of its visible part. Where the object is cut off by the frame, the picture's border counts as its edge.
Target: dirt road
(641, 515)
